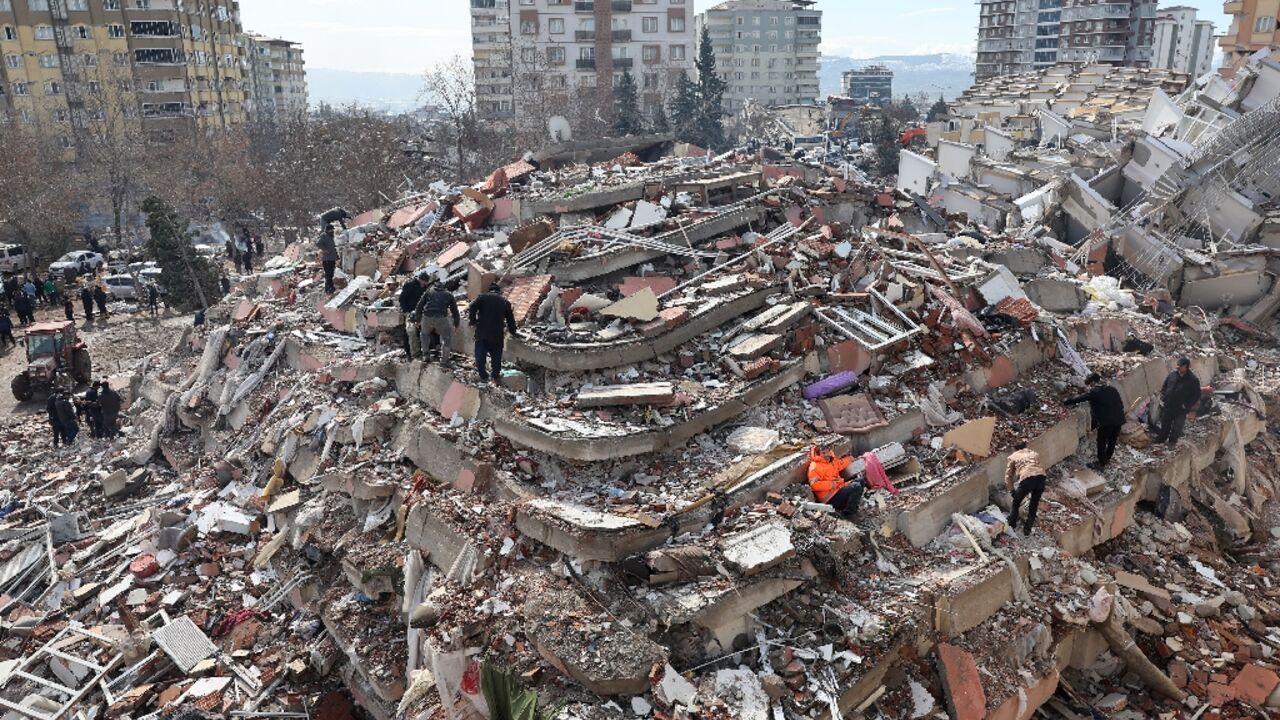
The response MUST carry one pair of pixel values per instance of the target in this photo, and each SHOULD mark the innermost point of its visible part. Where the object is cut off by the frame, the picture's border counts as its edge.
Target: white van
(13, 259)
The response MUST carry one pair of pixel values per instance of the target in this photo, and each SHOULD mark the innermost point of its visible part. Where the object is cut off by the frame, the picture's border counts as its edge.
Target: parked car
(13, 259)
(81, 261)
(122, 287)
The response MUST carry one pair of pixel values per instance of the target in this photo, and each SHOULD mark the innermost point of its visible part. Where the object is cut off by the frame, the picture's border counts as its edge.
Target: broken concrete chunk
(658, 393)
(973, 437)
(640, 307)
(759, 549)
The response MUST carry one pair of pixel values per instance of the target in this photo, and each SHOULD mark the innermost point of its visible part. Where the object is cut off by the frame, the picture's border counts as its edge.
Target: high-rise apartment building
(1107, 32)
(766, 50)
(277, 78)
(1181, 42)
(538, 52)
(1254, 26)
(66, 63)
(871, 85)
(1016, 36)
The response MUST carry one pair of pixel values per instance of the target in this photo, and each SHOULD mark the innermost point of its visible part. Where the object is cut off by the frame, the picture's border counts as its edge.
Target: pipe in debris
(1126, 649)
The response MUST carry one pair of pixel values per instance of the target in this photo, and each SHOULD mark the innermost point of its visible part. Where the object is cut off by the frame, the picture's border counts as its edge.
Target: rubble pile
(300, 519)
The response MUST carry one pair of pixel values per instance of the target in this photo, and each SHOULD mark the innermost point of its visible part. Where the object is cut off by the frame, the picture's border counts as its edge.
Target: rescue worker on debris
(55, 423)
(437, 313)
(328, 256)
(410, 294)
(110, 403)
(1024, 477)
(487, 315)
(829, 486)
(1107, 410)
(86, 301)
(1179, 395)
(66, 414)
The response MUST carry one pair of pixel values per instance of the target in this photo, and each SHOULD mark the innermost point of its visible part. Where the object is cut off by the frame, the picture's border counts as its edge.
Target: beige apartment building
(1253, 28)
(70, 67)
(545, 52)
(277, 78)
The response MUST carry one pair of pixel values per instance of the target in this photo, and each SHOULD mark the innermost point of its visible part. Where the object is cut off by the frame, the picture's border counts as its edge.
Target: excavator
(913, 134)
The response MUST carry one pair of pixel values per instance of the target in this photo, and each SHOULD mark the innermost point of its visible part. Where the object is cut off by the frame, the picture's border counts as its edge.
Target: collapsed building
(300, 521)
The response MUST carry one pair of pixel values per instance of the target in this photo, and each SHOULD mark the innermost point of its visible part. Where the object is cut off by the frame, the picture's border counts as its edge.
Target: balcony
(1233, 8)
(623, 63)
(584, 6)
(620, 6)
(586, 64)
(584, 35)
(621, 36)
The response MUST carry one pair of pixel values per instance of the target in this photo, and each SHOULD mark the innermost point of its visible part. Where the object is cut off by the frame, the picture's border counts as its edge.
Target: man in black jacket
(110, 402)
(410, 294)
(328, 256)
(438, 313)
(487, 314)
(1179, 396)
(86, 301)
(1107, 409)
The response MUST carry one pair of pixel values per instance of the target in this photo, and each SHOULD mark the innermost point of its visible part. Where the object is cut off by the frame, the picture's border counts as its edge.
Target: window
(651, 53)
(1265, 24)
(115, 31)
(528, 54)
(788, 20)
(651, 81)
(555, 55)
(21, 89)
(95, 86)
(755, 20)
(528, 27)
(49, 61)
(650, 24)
(88, 60)
(120, 58)
(675, 23)
(555, 26)
(44, 32)
(4, 6)
(77, 4)
(14, 62)
(25, 114)
(677, 52)
(110, 4)
(586, 53)
(82, 31)
(10, 33)
(1, 90)
(60, 116)
(38, 5)
(52, 88)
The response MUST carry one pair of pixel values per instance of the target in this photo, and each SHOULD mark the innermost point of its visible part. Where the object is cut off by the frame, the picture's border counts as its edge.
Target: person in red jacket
(829, 487)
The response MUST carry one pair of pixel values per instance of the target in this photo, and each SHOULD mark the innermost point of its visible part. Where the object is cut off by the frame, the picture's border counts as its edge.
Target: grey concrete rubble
(298, 518)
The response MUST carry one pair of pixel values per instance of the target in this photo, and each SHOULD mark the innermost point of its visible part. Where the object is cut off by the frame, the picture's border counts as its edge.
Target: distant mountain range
(942, 73)
(398, 92)
(390, 92)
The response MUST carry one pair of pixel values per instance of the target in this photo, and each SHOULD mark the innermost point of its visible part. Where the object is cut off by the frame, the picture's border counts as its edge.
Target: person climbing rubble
(437, 313)
(410, 294)
(1106, 408)
(1179, 395)
(487, 315)
(1025, 469)
(829, 486)
(328, 256)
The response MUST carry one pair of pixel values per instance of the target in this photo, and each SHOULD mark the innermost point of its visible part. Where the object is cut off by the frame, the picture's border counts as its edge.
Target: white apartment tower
(766, 50)
(277, 77)
(1016, 36)
(1183, 43)
(526, 51)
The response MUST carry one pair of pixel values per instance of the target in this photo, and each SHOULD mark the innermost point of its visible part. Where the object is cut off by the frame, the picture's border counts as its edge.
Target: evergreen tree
(709, 128)
(658, 123)
(627, 119)
(887, 149)
(683, 108)
(938, 110)
(188, 280)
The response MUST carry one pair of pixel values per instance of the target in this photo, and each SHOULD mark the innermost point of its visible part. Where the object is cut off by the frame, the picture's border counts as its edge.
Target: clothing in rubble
(1024, 467)
(1106, 408)
(489, 314)
(877, 478)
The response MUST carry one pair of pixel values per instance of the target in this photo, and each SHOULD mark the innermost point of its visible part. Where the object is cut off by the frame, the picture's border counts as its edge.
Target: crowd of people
(98, 407)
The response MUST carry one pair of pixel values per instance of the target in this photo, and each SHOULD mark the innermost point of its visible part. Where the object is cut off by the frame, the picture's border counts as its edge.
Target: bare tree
(451, 86)
(37, 202)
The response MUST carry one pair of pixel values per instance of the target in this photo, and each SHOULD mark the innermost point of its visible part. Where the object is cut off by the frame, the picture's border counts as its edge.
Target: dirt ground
(116, 345)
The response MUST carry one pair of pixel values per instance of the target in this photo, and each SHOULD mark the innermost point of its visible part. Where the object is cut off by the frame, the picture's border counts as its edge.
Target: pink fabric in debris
(877, 478)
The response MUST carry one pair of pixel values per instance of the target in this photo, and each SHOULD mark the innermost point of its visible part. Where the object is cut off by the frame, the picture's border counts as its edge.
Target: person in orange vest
(829, 487)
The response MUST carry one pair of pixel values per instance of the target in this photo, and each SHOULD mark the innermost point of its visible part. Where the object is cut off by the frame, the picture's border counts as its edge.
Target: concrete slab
(759, 549)
(962, 683)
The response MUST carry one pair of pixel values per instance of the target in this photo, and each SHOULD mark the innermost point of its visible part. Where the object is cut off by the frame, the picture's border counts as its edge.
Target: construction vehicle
(913, 134)
(55, 358)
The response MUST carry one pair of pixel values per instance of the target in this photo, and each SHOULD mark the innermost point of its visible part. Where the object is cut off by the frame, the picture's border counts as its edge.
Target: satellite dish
(560, 129)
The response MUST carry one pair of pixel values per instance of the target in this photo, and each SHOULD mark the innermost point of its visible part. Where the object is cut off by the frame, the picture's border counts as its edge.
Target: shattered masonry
(300, 520)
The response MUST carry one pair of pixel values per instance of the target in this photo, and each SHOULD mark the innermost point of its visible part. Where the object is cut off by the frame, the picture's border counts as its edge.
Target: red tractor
(54, 357)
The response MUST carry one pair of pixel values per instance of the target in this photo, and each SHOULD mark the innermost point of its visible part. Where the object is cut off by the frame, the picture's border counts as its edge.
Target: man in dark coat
(69, 307)
(92, 410)
(66, 418)
(86, 301)
(6, 329)
(410, 294)
(1107, 410)
(488, 315)
(328, 256)
(438, 314)
(51, 408)
(1179, 395)
(22, 306)
(110, 402)
(100, 297)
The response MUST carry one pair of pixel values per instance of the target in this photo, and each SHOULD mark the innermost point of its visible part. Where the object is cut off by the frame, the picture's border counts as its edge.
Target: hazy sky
(409, 35)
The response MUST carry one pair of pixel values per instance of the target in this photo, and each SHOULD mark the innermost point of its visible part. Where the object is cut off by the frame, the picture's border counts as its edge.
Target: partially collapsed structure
(297, 515)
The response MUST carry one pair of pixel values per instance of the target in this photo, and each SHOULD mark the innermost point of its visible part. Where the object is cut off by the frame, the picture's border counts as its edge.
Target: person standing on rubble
(66, 417)
(55, 423)
(6, 329)
(437, 313)
(487, 315)
(109, 403)
(1179, 395)
(1107, 411)
(86, 301)
(328, 256)
(100, 297)
(89, 407)
(69, 307)
(1024, 467)
(410, 294)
